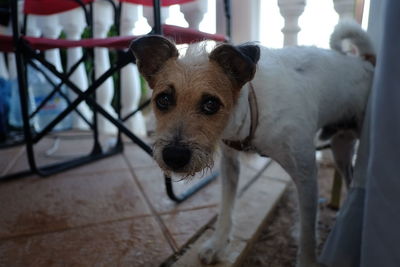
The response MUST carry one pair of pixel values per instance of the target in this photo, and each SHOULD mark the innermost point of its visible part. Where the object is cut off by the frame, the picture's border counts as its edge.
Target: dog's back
(319, 87)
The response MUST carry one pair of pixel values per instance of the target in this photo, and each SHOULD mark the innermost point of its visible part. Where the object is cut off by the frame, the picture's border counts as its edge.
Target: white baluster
(245, 21)
(13, 76)
(345, 8)
(102, 21)
(220, 17)
(32, 29)
(194, 12)
(12, 64)
(149, 15)
(51, 28)
(291, 11)
(32, 26)
(74, 23)
(130, 79)
(3, 67)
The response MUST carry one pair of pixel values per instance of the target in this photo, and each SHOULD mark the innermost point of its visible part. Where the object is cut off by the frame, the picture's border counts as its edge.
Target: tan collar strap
(245, 144)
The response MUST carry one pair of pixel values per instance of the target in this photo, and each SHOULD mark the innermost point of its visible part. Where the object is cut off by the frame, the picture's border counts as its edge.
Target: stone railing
(246, 18)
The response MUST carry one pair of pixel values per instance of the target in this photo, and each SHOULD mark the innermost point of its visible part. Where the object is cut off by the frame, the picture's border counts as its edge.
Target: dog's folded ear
(238, 62)
(151, 53)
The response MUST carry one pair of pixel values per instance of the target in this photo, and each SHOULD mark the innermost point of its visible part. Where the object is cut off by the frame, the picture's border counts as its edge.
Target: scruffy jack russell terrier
(268, 101)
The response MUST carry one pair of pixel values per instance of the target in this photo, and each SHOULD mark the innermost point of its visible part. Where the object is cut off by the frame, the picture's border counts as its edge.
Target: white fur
(299, 90)
(348, 31)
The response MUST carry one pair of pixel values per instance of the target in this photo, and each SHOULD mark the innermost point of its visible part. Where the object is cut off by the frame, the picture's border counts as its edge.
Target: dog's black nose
(176, 156)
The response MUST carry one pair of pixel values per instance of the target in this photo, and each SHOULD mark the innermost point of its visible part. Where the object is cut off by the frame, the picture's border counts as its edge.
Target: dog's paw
(209, 255)
(211, 252)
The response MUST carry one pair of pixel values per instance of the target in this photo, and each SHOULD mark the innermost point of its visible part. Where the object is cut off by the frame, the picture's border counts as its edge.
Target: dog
(269, 101)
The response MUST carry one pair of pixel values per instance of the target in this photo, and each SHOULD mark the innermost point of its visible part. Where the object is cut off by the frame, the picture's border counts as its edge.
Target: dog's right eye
(164, 101)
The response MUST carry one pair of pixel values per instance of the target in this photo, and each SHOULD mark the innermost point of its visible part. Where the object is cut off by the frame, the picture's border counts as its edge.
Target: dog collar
(371, 58)
(245, 144)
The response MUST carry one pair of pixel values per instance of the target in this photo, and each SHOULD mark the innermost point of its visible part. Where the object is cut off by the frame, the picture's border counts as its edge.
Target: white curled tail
(349, 38)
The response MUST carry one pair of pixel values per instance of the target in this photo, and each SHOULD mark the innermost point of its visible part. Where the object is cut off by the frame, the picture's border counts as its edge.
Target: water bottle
(5, 91)
(3, 125)
(14, 113)
(41, 88)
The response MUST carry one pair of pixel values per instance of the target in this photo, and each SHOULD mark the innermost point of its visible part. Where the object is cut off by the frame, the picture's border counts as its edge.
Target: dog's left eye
(210, 106)
(164, 101)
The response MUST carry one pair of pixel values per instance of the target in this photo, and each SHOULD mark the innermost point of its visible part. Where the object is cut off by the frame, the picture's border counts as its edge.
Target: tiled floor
(113, 212)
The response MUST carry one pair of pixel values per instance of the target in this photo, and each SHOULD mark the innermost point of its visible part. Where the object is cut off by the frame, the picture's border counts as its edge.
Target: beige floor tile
(253, 160)
(137, 158)
(95, 215)
(133, 242)
(49, 151)
(33, 205)
(107, 164)
(254, 206)
(183, 225)
(152, 181)
(8, 157)
(275, 171)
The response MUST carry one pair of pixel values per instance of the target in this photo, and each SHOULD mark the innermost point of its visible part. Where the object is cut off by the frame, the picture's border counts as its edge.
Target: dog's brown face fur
(192, 98)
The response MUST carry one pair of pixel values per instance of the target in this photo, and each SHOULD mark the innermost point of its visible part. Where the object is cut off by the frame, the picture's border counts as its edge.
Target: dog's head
(192, 98)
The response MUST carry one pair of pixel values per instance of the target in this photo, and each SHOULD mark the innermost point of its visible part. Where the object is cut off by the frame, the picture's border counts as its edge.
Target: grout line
(254, 179)
(188, 245)
(254, 168)
(66, 229)
(13, 161)
(71, 172)
(164, 229)
(188, 209)
(143, 168)
(73, 175)
(282, 180)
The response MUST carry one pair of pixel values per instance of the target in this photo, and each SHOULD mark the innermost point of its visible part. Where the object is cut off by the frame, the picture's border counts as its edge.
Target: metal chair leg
(189, 192)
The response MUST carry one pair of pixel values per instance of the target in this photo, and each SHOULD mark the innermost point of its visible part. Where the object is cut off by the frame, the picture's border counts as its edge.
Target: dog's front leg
(230, 167)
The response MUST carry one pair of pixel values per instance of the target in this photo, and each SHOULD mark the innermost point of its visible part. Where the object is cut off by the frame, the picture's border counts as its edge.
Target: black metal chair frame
(25, 54)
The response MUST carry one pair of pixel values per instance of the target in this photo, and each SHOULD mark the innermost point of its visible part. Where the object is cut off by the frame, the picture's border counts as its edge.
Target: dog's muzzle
(176, 157)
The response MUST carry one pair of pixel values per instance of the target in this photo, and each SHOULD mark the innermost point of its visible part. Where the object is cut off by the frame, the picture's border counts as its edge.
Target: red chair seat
(179, 34)
(163, 2)
(6, 43)
(118, 42)
(48, 7)
(182, 35)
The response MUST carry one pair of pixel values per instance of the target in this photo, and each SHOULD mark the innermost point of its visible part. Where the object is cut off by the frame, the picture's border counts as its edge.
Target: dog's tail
(349, 38)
